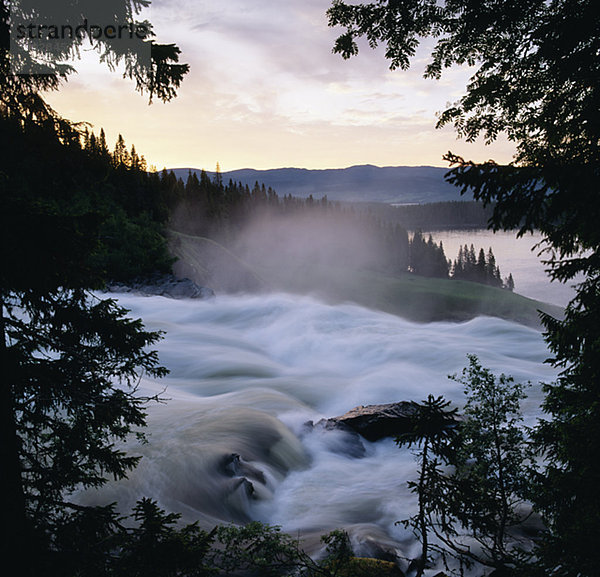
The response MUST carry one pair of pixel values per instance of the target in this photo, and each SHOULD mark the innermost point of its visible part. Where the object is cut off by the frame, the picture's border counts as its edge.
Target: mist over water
(300, 248)
(247, 373)
(323, 238)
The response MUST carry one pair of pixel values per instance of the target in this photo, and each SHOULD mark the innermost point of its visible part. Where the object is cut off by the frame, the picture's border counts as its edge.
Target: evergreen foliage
(154, 68)
(481, 269)
(70, 363)
(46, 181)
(474, 477)
(72, 217)
(436, 215)
(427, 258)
(156, 547)
(434, 432)
(211, 209)
(98, 542)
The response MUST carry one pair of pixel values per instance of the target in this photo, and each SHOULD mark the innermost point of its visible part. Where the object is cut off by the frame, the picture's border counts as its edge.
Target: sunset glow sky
(265, 91)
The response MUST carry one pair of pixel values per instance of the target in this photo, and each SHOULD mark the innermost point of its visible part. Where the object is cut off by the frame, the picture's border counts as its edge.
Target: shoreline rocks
(166, 285)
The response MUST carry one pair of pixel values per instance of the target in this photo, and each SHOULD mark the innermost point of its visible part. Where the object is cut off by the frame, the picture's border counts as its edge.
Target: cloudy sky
(265, 91)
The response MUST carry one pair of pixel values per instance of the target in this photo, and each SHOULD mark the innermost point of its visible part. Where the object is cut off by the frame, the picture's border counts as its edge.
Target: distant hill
(365, 183)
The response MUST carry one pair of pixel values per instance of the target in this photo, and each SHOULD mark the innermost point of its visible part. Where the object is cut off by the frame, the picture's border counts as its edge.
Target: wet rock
(234, 466)
(245, 486)
(164, 285)
(374, 422)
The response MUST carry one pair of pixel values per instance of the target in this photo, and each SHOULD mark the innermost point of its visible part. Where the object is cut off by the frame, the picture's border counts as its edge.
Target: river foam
(247, 373)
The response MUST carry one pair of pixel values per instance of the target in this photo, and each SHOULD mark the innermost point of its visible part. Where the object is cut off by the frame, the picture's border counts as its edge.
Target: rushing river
(247, 373)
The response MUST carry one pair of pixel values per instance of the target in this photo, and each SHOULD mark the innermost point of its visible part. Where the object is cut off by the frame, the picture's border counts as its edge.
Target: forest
(434, 215)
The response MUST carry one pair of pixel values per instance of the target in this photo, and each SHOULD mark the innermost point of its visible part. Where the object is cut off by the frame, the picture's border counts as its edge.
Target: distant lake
(513, 255)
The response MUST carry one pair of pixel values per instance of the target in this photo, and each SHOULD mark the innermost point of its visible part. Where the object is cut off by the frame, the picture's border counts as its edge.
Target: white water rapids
(248, 371)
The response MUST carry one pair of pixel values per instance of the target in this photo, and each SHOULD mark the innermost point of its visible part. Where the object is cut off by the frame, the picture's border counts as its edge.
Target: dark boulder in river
(374, 422)
(164, 285)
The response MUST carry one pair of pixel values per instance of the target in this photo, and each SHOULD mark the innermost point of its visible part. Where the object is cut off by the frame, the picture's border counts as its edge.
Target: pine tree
(119, 156)
(480, 267)
(458, 270)
(134, 160)
(492, 270)
(472, 259)
(434, 432)
(93, 146)
(218, 177)
(102, 146)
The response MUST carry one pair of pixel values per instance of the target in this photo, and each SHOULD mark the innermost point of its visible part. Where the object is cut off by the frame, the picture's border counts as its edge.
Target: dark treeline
(435, 215)
(481, 268)
(427, 258)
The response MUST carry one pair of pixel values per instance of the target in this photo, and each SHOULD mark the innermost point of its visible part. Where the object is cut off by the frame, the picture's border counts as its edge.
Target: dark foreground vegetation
(78, 214)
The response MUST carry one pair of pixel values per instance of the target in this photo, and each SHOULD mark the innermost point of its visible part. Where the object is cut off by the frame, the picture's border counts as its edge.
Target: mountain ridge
(357, 183)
